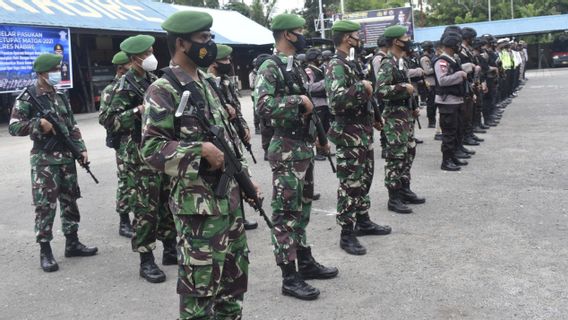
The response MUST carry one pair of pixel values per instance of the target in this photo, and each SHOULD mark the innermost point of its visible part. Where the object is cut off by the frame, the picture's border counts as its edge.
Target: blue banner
(20, 45)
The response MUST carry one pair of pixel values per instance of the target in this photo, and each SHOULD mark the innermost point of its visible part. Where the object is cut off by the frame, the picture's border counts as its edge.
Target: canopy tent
(133, 16)
(512, 27)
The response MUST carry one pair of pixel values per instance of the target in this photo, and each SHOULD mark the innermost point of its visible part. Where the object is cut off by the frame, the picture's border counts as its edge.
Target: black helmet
(381, 41)
(427, 45)
(326, 54)
(451, 39)
(313, 54)
(257, 62)
(301, 57)
(468, 33)
(479, 42)
(452, 29)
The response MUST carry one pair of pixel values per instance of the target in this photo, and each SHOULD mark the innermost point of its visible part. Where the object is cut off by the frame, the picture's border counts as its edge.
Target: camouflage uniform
(291, 158)
(399, 123)
(212, 246)
(54, 174)
(152, 219)
(125, 189)
(227, 86)
(352, 133)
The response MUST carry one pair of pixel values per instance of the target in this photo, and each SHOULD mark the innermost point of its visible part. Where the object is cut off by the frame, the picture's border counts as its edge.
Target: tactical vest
(457, 90)
(318, 76)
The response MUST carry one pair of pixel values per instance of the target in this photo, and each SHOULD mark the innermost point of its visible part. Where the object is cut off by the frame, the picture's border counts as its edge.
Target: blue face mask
(54, 78)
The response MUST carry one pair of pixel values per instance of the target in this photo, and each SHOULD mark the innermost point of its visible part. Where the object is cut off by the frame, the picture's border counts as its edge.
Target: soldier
(281, 98)
(152, 218)
(221, 69)
(450, 92)
(317, 90)
(382, 51)
(118, 141)
(213, 251)
(54, 174)
(352, 133)
(427, 66)
(395, 89)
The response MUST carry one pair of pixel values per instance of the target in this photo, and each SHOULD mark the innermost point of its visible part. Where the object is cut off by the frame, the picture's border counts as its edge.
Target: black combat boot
(349, 242)
(395, 202)
(478, 129)
(459, 162)
(449, 165)
(46, 260)
(408, 196)
(125, 228)
(169, 257)
(74, 248)
(366, 227)
(149, 270)
(476, 138)
(460, 154)
(293, 285)
(438, 137)
(384, 153)
(466, 150)
(469, 141)
(316, 197)
(418, 141)
(309, 268)
(431, 123)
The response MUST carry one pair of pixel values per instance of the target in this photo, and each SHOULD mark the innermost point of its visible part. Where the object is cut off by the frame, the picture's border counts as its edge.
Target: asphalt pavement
(490, 242)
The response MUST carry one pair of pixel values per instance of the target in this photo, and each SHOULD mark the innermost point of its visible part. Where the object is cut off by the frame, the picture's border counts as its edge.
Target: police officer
(317, 90)
(394, 87)
(152, 217)
(54, 174)
(428, 67)
(450, 92)
(352, 132)
(118, 142)
(212, 246)
(282, 99)
(221, 69)
(382, 51)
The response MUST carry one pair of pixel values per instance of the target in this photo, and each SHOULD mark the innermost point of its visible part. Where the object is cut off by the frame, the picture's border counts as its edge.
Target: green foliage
(240, 7)
(260, 11)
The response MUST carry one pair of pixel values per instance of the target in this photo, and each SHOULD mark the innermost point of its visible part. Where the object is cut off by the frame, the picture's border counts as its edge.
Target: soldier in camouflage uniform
(54, 174)
(395, 89)
(124, 192)
(221, 69)
(281, 98)
(352, 132)
(152, 218)
(213, 251)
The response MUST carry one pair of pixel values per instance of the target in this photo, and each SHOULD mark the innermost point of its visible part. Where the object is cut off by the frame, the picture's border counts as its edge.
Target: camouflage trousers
(355, 169)
(293, 190)
(401, 147)
(49, 184)
(213, 265)
(152, 216)
(125, 189)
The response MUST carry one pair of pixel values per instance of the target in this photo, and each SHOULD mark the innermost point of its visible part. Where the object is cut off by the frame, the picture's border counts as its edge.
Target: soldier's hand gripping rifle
(411, 98)
(233, 167)
(322, 135)
(60, 134)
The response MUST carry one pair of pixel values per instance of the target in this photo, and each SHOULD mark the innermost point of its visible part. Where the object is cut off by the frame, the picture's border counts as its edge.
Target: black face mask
(202, 54)
(300, 43)
(407, 47)
(223, 68)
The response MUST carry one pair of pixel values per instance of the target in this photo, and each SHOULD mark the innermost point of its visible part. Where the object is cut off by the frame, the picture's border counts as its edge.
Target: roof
(133, 16)
(511, 27)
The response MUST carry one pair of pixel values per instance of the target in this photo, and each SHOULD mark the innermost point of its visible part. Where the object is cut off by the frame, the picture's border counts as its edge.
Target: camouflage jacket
(173, 145)
(227, 86)
(24, 121)
(121, 116)
(347, 98)
(389, 86)
(275, 101)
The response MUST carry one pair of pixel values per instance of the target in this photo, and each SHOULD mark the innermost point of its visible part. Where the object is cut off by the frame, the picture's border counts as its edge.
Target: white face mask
(150, 63)
(53, 78)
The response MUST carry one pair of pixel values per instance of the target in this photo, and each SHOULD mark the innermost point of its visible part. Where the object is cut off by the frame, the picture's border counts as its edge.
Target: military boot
(459, 162)
(125, 228)
(149, 270)
(395, 202)
(431, 123)
(293, 285)
(74, 248)
(384, 153)
(408, 196)
(460, 154)
(309, 268)
(46, 259)
(316, 196)
(466, 150)
(349, 242)
(469, 141)
(169, 257)
(366, 227)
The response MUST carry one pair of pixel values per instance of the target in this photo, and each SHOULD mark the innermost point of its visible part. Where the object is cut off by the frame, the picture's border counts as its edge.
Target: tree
(240, 7)
(260, 11)
(214, 4)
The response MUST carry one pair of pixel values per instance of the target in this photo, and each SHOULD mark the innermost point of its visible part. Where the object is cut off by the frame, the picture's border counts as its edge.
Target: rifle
(60, 136)
(411, 98)
(233, 167)
(322, 135)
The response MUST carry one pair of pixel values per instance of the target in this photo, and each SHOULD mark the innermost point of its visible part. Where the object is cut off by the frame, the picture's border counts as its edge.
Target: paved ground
(490, 243)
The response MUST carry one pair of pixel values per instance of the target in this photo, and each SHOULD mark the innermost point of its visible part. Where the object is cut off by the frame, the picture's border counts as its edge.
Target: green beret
(287, 21)
(47, 61)
(345, 26)
(120, 58)
(395, 31)
(223, 51)
(137, 44)
(183, 22)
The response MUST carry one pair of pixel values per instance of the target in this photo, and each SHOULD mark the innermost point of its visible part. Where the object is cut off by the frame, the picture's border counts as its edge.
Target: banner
(374, 22)
(20, 45)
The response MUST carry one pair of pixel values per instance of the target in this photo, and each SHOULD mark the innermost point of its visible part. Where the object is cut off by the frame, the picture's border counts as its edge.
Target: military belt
(42, 144)
(364, 120)
(295, 134)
